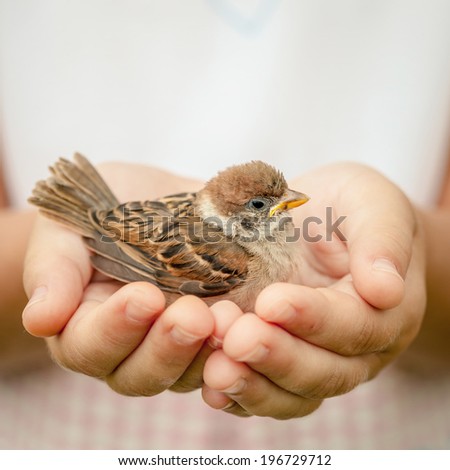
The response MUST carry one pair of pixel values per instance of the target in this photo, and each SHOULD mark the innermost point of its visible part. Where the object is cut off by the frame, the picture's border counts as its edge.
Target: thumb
(380, 242)
(56, 271)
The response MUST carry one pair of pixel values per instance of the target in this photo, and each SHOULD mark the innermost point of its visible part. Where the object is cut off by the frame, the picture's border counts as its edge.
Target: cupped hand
(357, 303)
(120, 333)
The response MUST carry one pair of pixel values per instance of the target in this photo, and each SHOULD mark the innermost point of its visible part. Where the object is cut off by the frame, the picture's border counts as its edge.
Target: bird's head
(248, 199)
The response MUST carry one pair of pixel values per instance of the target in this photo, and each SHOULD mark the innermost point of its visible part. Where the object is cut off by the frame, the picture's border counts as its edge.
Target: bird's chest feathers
(271, 254)
(272, 260)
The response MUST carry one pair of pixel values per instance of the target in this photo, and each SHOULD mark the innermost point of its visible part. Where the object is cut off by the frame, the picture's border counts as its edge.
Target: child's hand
(121, 333)
(358, 304)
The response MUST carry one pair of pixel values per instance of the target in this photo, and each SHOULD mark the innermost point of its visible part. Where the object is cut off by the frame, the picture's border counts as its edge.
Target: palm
(347, 200)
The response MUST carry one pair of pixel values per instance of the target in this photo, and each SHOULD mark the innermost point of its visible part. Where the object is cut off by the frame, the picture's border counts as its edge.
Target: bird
(229, 240)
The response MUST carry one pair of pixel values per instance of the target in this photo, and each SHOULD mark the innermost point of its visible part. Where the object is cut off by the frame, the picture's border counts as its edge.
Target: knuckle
(305, 408)
(76, 357)
(187, 384)
(363, 340)
(81, 360)
(336, 383)
(126, 383)
(363, 332)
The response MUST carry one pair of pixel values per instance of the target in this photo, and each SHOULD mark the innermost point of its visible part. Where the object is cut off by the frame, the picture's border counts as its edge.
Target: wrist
(431, 347)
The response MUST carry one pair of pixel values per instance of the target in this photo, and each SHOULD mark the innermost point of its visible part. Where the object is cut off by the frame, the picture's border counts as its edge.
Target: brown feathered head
(252, 192)
(233, 188)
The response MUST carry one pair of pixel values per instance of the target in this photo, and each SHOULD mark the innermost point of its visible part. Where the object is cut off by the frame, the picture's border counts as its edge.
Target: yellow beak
(289, 200)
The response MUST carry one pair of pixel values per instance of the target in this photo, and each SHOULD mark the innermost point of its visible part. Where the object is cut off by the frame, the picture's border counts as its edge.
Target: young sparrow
(230, 239)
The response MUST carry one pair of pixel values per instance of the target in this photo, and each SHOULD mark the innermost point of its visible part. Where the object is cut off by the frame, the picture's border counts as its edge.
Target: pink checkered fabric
(56, 409)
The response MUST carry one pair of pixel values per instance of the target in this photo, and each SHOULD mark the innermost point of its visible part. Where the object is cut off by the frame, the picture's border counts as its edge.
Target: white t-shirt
(193, 87)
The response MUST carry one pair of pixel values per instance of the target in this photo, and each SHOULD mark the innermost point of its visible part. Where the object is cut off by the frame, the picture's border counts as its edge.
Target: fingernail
(383, 264)
(281, 311)
(183, 337)
(215, 342)
(39, 294)
(138, 312)
(257, 355)
(238, 387)
(231, 404)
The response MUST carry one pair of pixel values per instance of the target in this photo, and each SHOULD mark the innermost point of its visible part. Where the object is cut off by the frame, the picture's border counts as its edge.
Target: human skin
(352, 319)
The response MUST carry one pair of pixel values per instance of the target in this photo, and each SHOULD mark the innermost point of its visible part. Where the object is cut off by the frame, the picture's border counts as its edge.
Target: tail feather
(73, 190)
(83, 176)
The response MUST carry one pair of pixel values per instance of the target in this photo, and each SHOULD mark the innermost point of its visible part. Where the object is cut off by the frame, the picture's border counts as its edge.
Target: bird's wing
(162, 242)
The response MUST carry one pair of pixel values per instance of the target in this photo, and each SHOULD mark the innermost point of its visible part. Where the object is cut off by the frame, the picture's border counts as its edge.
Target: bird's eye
(257, 204)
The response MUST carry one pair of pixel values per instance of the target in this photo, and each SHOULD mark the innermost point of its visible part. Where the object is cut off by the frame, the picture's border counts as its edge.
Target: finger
(110, 323)
(334, 318)
(56, 270)
(221, 401)
(167, 351)
(253, 393)
(192, 377)
(224, 313)
(380, 245)
(293, 364)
